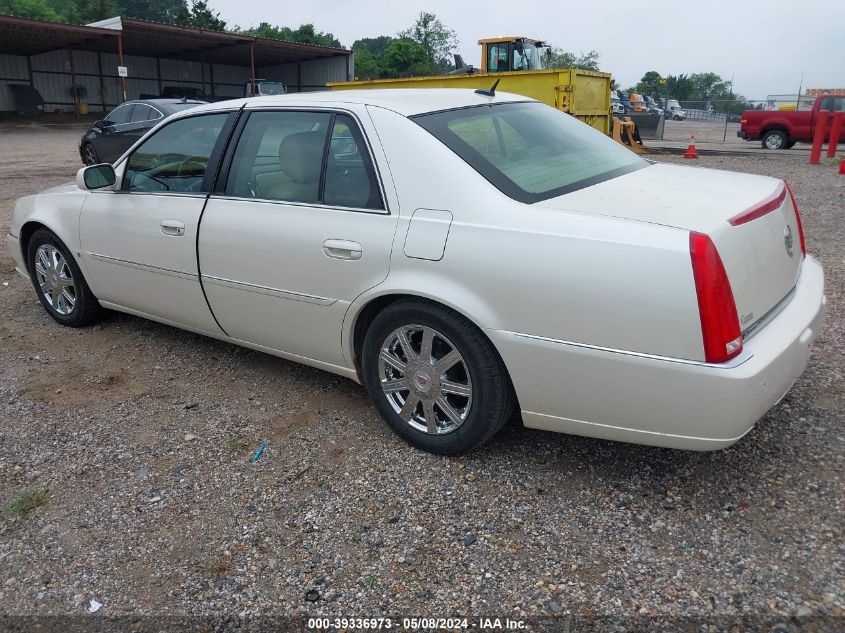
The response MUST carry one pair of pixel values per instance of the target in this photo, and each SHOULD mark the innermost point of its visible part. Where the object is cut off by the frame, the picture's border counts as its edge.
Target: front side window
(530, 151)
(307, 157)
(175, 158)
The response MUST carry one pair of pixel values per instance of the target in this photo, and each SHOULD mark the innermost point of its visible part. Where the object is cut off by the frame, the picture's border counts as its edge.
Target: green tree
(680, 87)
(86, 11)
(35, 9)
(405, 57)
(200, 16)
(650, 84)
(560, 58)
(156, 10)
(367, 65)
(305, 34)
(375, 45)
(436, 39)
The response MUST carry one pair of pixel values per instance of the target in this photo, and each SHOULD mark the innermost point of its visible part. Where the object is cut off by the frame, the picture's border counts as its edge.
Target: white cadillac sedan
(460, 254)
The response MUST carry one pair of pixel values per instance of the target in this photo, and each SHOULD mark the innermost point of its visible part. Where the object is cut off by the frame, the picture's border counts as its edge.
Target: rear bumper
(664, 402)
(741, 134)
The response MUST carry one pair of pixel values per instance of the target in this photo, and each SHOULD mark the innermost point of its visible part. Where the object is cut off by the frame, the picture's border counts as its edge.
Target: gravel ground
(142, 434)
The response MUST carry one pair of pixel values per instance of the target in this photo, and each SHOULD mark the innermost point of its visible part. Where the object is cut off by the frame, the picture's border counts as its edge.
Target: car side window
(140, 112)
(174, 159)
(283, 156)
(120, 114)
(279, 156)
(350, 178)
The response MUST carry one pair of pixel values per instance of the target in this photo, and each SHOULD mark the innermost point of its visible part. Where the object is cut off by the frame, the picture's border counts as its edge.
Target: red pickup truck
(782, 129)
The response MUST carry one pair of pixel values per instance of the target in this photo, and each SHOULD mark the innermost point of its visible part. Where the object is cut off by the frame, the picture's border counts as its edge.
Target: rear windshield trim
(498, 179)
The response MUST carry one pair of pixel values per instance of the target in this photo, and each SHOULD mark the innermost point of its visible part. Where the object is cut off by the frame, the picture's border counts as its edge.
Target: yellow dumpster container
(584, 94)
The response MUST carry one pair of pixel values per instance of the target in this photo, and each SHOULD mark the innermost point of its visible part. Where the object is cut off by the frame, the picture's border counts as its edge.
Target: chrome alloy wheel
(774, 141)
(425, 379)
(55, 279)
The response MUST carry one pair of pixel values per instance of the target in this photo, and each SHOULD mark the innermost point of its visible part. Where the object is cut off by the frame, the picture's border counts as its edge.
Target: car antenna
(491, 92)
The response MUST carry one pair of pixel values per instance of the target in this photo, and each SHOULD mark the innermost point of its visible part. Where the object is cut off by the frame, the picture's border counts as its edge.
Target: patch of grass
(370, 581)
(28, 501)
(236, 445)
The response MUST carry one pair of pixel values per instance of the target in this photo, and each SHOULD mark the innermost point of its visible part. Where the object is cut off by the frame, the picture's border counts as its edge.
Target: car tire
(59, 283)
(90, 155)
(775, 139)
(463, 371)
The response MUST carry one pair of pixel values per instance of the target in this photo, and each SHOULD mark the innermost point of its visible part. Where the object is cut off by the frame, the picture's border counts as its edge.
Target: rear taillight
(797, 218)
(774, 201)
(716, 307)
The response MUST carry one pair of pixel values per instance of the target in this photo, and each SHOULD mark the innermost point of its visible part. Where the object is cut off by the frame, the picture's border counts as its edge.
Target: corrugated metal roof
(23, 36)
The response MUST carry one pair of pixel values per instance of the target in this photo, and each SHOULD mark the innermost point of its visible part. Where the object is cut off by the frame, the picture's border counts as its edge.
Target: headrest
(301, 156)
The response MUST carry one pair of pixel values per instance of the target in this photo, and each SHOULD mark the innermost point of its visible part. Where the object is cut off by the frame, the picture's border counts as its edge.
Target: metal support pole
(252, 68)
(818, 137)
(120, 62)
(158, 74)
(102, 82)
(73, 83)
(835, 130)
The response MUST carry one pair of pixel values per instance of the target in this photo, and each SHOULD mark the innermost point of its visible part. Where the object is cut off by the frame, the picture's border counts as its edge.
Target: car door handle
(342, 249)
(172, 227)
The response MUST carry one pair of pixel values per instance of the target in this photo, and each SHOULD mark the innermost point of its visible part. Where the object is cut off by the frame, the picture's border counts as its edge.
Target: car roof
(405, 101)
(164, 102)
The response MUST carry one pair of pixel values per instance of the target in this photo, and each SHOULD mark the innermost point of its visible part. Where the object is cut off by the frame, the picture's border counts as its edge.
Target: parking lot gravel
(126, 480)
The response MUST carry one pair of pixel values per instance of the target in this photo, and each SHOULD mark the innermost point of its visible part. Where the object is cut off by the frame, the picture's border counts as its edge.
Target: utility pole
(800, 85)
(727, 109)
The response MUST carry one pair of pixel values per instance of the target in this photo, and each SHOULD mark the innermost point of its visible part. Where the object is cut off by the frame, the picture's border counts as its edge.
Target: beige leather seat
(300, 159)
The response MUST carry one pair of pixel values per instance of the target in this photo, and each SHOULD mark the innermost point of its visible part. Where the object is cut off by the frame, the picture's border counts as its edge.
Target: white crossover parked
(462, 254)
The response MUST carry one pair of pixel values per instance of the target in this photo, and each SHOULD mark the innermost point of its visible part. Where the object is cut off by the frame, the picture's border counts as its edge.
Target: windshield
(271, 88)
(530, 151)
(526, 56)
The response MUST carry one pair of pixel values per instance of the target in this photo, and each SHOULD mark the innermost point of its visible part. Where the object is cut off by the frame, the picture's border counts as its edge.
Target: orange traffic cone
(842, 167)
(691, 151)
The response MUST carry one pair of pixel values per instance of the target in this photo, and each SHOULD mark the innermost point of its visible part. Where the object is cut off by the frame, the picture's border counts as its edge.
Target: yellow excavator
(522, 65)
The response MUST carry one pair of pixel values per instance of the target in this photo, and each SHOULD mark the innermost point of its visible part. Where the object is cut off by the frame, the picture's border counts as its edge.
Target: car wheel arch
(26, 232)
(360, 317)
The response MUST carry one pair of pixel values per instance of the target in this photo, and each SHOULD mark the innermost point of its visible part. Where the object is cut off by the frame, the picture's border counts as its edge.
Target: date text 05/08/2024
(415, 624)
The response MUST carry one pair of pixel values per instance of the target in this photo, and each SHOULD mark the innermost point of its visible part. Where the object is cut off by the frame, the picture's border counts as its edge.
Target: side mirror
(100, 124)
(96, 177)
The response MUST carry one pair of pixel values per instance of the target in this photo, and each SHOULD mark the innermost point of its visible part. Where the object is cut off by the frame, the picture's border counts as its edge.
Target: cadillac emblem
(787, 239)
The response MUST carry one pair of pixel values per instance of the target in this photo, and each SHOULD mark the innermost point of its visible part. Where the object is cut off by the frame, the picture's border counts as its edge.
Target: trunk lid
(762, 256)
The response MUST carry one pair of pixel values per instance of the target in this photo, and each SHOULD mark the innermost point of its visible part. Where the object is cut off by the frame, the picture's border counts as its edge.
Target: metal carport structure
(53, 57)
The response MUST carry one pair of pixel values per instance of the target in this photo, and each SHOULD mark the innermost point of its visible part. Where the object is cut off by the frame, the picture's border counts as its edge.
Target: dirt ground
(140, 435)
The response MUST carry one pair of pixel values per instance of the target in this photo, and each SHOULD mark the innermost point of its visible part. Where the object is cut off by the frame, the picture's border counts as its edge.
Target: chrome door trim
(314, 205)
(266, 290)
(146, 267)
(734, 362)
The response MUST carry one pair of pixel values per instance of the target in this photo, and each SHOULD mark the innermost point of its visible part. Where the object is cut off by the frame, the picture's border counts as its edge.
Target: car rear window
(530, 151)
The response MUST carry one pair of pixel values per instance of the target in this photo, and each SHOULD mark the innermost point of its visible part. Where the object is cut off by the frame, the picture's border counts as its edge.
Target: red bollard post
(818, 137)
(835, 129)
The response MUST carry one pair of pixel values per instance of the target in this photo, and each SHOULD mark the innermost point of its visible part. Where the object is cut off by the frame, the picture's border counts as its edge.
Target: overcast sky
(764, 44)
